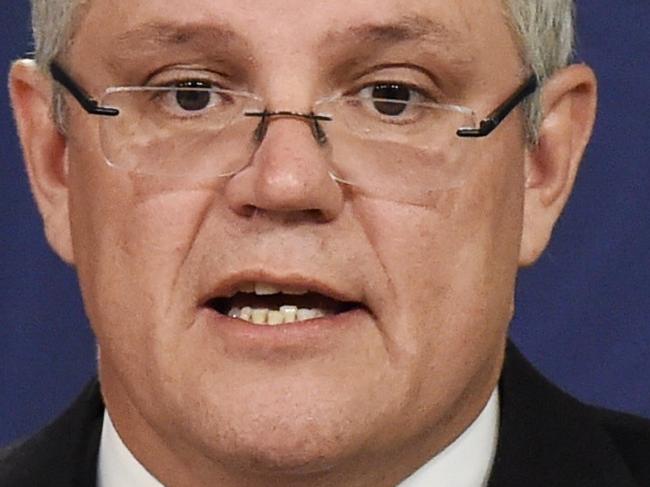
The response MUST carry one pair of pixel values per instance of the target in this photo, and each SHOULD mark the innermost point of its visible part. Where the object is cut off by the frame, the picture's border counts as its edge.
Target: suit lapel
(87, 435)
(64, 453)
(547, 438)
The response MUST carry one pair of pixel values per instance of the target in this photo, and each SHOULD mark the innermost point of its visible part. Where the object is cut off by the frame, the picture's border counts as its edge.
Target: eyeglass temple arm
(487, 125)
(87, 103)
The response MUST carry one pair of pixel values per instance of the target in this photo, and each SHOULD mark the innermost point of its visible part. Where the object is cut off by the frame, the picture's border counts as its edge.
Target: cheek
(130, 246)
(452, 266)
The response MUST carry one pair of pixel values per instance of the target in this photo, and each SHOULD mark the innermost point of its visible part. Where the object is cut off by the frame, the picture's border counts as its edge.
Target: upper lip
(231, 284)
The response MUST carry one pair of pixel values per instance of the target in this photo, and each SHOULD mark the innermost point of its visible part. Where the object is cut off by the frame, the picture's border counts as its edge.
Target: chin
(282, 446)
(299, 430)
(284, 460)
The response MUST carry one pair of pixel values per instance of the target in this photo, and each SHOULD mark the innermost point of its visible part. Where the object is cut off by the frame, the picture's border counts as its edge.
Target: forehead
(295, 24)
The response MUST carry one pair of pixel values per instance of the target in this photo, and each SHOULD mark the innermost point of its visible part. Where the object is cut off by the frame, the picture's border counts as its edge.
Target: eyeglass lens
(384, 147)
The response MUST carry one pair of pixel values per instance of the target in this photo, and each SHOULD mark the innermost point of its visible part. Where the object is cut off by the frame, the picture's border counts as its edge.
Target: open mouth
(267, 304)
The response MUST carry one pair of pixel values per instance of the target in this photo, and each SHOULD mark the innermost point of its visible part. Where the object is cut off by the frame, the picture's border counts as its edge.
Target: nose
(288, 173)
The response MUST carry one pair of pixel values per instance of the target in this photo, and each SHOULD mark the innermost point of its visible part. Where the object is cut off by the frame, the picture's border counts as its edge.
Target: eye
(399, 96)
(192, 97)
(390, 99)
(193, 100)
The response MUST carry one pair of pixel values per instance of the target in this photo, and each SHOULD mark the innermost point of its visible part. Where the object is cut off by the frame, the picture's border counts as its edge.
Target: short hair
(544, 31)
(545, 35)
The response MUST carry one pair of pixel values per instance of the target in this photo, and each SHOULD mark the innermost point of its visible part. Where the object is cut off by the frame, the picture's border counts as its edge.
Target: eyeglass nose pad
(262, 128)
(317, 130)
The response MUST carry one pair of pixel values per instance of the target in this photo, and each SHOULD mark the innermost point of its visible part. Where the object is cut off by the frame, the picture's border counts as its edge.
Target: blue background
(582, 314)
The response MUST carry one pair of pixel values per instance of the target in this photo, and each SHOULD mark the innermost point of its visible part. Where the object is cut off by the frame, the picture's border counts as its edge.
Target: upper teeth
(265, 289)
(286, 314)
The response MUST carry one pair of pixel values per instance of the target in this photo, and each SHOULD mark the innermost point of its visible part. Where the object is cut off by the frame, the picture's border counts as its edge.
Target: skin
(365, 405)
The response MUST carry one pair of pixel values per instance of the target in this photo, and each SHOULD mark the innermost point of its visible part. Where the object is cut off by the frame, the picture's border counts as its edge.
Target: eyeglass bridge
(312, 118)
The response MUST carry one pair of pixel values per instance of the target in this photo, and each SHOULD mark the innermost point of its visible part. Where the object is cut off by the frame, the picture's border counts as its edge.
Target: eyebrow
(404, 28)
(428, 34)
(412, 27)
(154, 37)
(408, 28)
(163, 33)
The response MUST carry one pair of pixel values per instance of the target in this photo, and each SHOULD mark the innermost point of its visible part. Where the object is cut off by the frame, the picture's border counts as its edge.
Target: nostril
(247, 210)
(315, 214)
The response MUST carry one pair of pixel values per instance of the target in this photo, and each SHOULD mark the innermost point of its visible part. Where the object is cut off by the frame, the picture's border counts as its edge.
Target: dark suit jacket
(547, 439)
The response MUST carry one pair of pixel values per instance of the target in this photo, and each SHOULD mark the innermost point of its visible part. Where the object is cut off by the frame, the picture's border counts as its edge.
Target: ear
(569, 111)
(44, 151)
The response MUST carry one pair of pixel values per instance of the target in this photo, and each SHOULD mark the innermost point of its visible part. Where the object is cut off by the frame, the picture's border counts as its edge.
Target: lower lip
(306, 335)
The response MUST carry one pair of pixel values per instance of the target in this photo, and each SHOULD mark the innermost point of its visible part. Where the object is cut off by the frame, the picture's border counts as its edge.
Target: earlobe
(569, 108)
(44, 151)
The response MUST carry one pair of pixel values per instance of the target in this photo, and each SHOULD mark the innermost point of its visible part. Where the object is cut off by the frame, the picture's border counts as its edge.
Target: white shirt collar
(116, 466)
(467, 462)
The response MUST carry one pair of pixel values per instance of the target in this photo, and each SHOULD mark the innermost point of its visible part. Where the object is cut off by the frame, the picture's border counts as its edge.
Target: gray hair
(543, 31)
(52, 27)
(545, 34)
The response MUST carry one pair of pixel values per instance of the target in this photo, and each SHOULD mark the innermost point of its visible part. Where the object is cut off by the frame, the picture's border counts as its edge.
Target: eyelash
(188, 83)
(423, 94)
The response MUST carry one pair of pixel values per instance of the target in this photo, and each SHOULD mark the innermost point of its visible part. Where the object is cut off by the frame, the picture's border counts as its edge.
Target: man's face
(416, 356)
